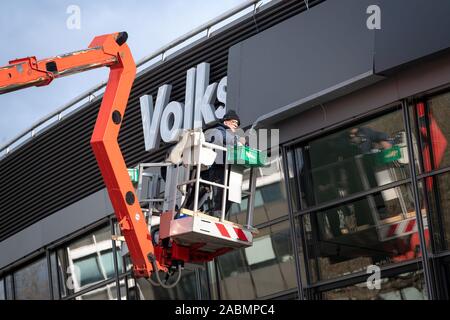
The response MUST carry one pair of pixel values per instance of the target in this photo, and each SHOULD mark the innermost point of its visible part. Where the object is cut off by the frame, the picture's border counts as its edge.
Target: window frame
(44, 257)
(306, 290)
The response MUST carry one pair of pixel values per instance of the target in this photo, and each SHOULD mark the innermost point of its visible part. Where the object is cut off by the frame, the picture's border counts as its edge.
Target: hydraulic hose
(158, 278)
(170, 285)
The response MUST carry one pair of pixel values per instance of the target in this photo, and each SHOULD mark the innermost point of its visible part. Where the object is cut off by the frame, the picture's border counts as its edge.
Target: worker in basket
(223, 134)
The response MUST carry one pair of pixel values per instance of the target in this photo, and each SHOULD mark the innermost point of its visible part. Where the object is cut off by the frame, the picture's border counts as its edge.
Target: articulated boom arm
(28, 72)
(105, 51)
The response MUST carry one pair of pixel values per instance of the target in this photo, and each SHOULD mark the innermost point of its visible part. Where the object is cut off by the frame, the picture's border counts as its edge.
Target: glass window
(346, 235)
(107, 292)
(88, 261)
(2, 290)
(9, 287)
(125, 263)
(213, 280)
(434, 130)
(358, 158)
(132, 291)
(437, 189)
(204, 284)
(292, 180)
(126, 259)
(379, 229)
(31, 281)
(55, 279)
(270, 195)
(445, 278)
(186, 289)
(265, 268)
(406, 286)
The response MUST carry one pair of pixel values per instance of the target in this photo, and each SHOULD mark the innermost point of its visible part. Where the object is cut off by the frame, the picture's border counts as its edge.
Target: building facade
(358, 192)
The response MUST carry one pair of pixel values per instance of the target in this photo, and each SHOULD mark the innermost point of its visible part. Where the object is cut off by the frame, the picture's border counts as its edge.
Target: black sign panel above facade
(333, 49)
(410, 30)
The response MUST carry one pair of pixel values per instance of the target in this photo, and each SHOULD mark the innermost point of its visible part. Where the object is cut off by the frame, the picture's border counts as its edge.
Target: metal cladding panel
(410, 30)
(57, 168)
(301, 57)
(52, 228)
(329, 51)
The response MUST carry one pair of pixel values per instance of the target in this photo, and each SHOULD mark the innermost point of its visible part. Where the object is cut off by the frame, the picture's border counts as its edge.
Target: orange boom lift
(111, 51)
(197, 238)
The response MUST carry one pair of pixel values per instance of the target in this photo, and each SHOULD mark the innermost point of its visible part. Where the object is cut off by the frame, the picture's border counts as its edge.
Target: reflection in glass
(434, 131)
(87, 261)
(107, 292)
(213, 280)
(438, 197)
(122, 251)
(132, 293)
(185, 290)
(126, 259)
(265, 268)
(406, 286)
(270, 196)
(9, 286)
(31, 281)
(202, 276)
(55, 280)
(292, 181)
(356, 159)
(378, 229)
(2, 290)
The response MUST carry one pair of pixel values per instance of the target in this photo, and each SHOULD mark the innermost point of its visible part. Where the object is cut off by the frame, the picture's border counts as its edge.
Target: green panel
(134, 174)
(246, 156)
(390, 155)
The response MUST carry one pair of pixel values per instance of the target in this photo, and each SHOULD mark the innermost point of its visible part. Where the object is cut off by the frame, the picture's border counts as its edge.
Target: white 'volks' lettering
(166, 120)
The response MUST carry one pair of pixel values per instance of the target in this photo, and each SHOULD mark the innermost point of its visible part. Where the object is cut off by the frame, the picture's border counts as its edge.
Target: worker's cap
(231, 115)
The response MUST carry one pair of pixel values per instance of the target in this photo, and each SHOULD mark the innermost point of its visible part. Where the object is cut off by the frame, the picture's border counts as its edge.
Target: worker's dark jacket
(369, 137)
(222, 136)
(226, 138)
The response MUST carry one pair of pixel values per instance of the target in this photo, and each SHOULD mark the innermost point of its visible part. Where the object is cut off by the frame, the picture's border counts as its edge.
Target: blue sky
(38, 28)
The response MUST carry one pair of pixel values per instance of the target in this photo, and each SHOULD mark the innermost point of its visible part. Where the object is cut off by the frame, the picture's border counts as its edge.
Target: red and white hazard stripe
(233, 232)
(400, 229)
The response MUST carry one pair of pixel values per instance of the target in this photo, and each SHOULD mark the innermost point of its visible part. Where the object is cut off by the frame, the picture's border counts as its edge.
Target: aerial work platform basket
(197, 228)
(175, 197)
